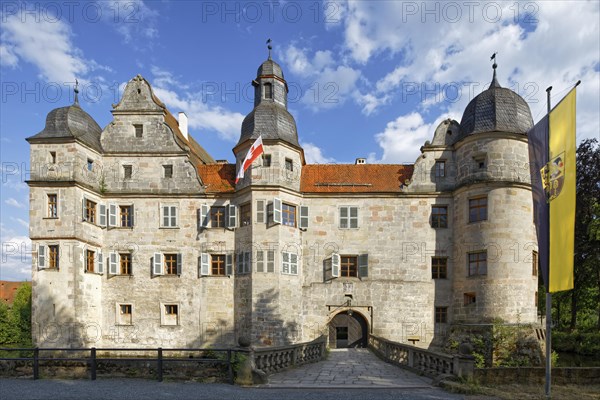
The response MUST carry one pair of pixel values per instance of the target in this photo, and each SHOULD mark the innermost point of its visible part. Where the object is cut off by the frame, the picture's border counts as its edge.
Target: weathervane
(269, 47)
(493, 57)
(76, 90)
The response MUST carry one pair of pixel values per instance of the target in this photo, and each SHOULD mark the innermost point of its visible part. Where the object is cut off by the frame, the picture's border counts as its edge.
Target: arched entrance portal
(348, 330)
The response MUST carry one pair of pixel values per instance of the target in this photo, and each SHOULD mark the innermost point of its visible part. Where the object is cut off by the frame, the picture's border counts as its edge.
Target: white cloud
(132, 19)
(45, 44)
(12, 202)
(21, 222)
(200, 114)
(15, 263)
(314, 154)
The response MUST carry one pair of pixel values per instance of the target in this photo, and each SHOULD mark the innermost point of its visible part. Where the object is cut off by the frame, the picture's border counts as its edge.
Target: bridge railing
(274, 359)
(428, 362)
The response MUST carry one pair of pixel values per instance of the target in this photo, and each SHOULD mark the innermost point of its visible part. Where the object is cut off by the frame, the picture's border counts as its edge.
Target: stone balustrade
(428, 362)
(273, 359)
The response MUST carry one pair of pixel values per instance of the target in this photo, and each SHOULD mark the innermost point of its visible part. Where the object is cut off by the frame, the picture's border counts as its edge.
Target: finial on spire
(494, 66)
(76, 90)
(269, 47)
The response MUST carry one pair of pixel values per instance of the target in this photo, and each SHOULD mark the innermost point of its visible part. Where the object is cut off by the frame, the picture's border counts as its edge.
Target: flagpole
(548, 294)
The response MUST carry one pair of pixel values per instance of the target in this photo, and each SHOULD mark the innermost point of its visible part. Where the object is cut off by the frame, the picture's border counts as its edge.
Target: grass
(526, 392)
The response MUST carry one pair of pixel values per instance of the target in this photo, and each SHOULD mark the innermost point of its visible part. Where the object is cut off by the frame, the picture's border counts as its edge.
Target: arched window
(268, 91)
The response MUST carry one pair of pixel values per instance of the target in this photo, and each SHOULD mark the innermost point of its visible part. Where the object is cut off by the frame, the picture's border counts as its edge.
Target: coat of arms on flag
(553, 177)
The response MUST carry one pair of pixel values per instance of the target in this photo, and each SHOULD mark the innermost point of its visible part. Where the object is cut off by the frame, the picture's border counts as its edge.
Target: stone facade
(141, 239)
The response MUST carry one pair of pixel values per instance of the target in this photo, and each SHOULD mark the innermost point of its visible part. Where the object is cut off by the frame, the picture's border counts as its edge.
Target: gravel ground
(126, 389)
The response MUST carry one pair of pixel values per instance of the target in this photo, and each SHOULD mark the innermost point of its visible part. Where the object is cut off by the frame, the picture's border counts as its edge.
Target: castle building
(142, 239)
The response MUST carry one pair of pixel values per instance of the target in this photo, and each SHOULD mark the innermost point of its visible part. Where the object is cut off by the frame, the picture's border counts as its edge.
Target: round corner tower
(495, 247)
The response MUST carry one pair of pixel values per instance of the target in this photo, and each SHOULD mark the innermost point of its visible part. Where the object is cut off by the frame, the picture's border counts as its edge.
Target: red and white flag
(255, 150)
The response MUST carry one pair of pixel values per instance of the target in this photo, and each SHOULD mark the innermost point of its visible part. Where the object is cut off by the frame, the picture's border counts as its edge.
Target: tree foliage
(15, 320)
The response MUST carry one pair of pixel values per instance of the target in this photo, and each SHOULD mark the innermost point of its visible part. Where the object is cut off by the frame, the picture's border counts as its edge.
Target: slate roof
(71, 122)
(269, 68)
(352, 178)
(271, 120)
(496, 109)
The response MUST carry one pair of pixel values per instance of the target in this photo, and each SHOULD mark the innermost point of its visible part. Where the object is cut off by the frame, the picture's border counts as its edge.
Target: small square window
(289, 165)
(90, 211)
(124, 314)
(439, 216)
(53, 256)
(170, 264)
(90, 164)
(53, 157)
(469, 298)
(440, 169)
(478, 209)
(217, 217)
(125, 263)
(288, 214)
(349, 266)
(348, 217)
(168, 171)
(477, 263)
(479, 162)
(127, 171)
(170, 314)
(439, 267)
(441, 315)
(139, 130)
(246, 214)
(89, 260)
(126, 216)
(169, 217)
(266, 160)
(218, 264)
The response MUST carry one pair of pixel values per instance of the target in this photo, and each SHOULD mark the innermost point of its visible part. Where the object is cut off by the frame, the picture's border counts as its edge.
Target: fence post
(36, 363)
(229, 366)
(159, 366)
(93, 363)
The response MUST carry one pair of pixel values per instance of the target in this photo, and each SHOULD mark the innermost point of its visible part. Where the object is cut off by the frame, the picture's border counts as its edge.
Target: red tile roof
(218, 178)
(354, 178)
(8, 290)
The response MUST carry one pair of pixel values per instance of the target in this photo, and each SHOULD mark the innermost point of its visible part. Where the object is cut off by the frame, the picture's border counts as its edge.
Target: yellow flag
(561, 193)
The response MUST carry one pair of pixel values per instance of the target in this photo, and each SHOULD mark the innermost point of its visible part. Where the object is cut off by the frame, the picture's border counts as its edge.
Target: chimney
(361, 161)
(183, 124)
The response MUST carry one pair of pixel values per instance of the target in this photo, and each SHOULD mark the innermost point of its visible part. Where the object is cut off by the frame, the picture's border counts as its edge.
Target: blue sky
(367, 78)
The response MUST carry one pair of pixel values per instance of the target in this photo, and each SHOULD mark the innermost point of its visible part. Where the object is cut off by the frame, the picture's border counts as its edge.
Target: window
(289, 263)
(440, 168)
(270, 260)
(477, 263)
(479, 161)
(52, 206)
(89, 212)
(478, 209)
(266, 160)
(439, 216)
(288, 214)
(534, 263)
(170, 315)
(349, 266)
(289, 165)
(260, 211)
(53, 256)
(441, 315)
(171, 264)
(168, 171)
(217, 217)
(139, 130)
(268, 91)
(218, 264)
(53, 157)
(260, 261)
(89, 260)
(90, 164)
(126, 216)
(124, 314)
(246, 214)
(348, 217)
(439, 267)
(244, 262)
(169, 216)
(125, 263)
(469, 298)
(127, 171)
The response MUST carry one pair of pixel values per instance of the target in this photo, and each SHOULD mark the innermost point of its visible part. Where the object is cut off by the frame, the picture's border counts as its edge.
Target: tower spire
(494, 66)
(269, 47)
(76, 90)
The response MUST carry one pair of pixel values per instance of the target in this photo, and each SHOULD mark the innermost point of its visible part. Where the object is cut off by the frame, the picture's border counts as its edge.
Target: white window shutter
(157, 264)
(99, 267)
(83, 218)
(353, 217)
(204, 264)
(102, 215)
(363, 265)
(260, 261)
(270, 260)
(285, 262)
(204, 216)
(229, 264)
(260, 211)
(132, 215)
(112, 215)
(232, 216)
(165, 216)
(173, 216)
(277, 210)
(179, 263)
(294, 264)
(303, 217)
(335, 265)
(41, 256)
(343, 217)
(112, 263)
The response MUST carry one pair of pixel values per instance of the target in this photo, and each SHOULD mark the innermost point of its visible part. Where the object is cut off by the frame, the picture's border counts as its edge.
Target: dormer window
(268, 88)
(90, 164)
(139, 130)
(53, 157)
